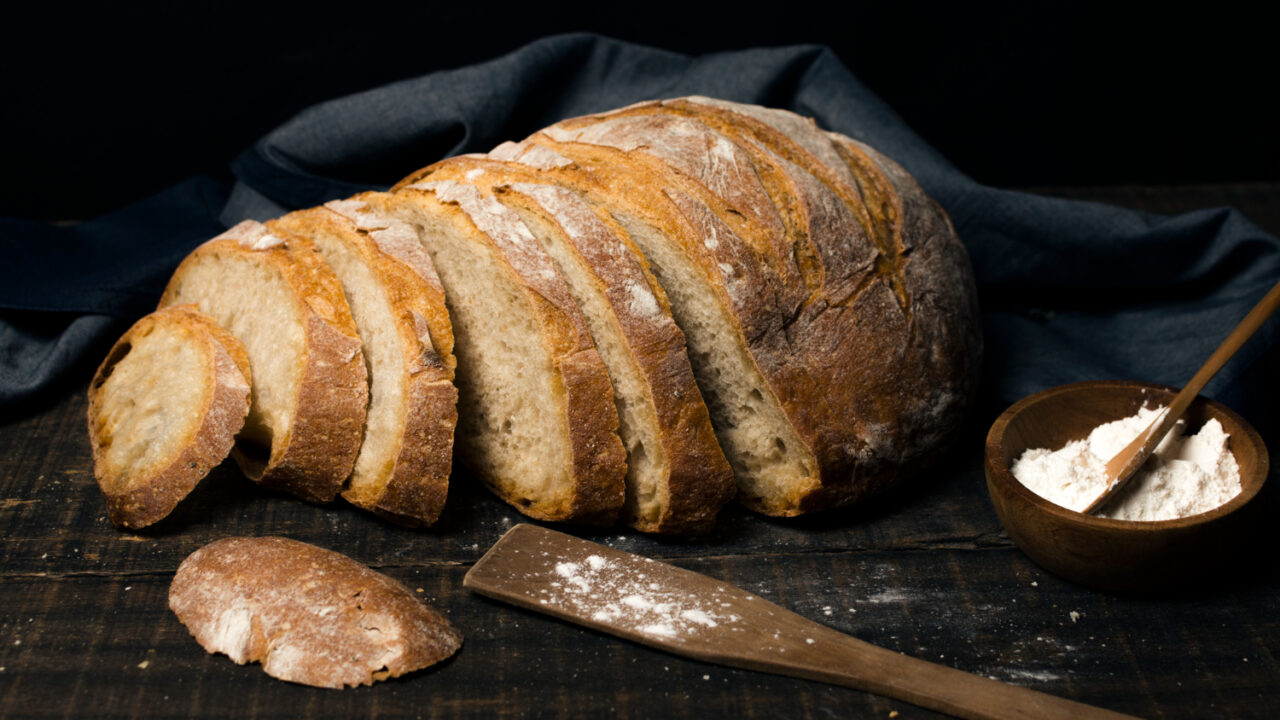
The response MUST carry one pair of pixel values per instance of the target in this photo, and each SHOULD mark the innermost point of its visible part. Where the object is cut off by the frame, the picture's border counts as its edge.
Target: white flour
(1185, 476)
(610, 593)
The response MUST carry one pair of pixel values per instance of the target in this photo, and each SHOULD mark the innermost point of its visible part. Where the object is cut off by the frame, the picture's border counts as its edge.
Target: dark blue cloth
(1070, 290)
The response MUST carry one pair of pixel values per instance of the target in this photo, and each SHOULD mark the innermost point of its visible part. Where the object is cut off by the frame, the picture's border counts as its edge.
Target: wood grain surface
(85, 630)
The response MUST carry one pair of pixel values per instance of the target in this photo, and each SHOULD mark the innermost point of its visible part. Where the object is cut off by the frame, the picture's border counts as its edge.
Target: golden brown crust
(316, 452)
(309, 615)
(598, 461)
(411, 489)
(153, 496)
(698, 480)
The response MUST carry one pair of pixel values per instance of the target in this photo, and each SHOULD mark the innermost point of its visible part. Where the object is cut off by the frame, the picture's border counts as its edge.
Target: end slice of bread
(164, 408)
(402, 471)
(536, 419)
(309, 615)
(275, 293)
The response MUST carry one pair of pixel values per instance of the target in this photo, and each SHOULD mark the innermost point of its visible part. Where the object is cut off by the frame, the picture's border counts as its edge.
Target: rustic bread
(537, 420)
(164, 408)
(402, 470)
(677, 477)
(278, 297)
(814, 331)
(309, 615)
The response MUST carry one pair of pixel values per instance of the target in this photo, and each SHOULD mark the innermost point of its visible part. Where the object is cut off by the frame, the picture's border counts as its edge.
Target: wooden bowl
(1125, 555)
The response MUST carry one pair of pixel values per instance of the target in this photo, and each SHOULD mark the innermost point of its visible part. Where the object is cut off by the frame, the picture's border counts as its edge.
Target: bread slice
(164, 408)
(536, 415)
(275, 293)
(677, 476)
(309, 615)
(402, 470)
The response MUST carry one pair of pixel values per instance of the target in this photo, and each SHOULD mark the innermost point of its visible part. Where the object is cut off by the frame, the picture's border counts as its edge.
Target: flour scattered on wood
(608, 592)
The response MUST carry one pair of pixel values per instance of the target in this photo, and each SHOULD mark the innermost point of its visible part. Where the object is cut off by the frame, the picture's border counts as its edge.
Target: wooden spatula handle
(843, 660)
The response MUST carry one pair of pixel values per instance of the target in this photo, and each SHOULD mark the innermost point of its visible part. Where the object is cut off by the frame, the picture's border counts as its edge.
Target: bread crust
(309, 615)
(152, 497)
(698, 481)
(597, 458)
(315, 453)
(412, 486)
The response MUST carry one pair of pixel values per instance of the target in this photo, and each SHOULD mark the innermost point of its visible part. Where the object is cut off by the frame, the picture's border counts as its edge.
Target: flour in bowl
(1186, 475)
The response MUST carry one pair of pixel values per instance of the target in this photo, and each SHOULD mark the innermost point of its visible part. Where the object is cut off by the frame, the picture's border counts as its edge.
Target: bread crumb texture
(309, 615)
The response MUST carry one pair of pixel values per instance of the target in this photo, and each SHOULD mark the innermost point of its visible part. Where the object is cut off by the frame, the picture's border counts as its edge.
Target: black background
(106, 103)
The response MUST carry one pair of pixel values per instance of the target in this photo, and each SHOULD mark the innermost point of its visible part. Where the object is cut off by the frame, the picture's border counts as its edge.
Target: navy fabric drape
(1070, 290)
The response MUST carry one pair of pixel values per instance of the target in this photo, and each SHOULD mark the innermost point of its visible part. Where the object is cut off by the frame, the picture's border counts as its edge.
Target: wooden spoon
(689, 614)
(1121, 468)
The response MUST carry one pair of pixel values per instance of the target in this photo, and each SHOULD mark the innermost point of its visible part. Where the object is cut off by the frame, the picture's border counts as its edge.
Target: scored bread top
(677, 476)
(275, 293)
(536, 417)
(397, 301)
(164, 408)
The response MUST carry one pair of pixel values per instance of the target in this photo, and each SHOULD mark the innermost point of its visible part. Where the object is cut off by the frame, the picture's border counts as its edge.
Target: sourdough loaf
(397, 302)
(536, 418)
(309, 615)
(677, 477)
(164, 408)
(820, 299)
(275, 293)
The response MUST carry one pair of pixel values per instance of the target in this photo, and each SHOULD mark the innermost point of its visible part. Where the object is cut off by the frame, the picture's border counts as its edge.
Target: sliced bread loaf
(536, 420)
(164, 408)
(402, 470)
(677, 476)
(275, 293)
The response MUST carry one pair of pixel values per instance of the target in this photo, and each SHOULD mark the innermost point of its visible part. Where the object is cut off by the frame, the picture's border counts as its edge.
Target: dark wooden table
(85, 629)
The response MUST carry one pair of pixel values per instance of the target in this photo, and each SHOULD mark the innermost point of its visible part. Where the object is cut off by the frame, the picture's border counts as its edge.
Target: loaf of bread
(646, 303)
(309, 615)
(164, 408)
(277, 295)
(397, 302)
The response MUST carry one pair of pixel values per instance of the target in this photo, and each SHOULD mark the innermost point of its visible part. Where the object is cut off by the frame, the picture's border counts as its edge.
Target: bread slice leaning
(402, 470)
(677, 477)
(536, 419)
(164, 408)
(275, 293)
